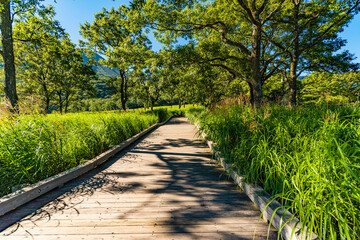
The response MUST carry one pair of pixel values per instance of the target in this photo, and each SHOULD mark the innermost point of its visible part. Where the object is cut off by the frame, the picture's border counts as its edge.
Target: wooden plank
(22, 196)
(144, 215)
(151, 206)
(141, 236)
(175, 193)
(155, 228)
(135, 222)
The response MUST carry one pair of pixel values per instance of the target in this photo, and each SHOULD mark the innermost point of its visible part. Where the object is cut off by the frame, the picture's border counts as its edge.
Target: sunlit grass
(307, 157)
(34, 147)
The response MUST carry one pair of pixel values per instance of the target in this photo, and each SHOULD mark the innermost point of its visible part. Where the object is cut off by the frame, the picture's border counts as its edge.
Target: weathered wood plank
(155, 228)
(165, 187)
(139, 222)
(140, 236)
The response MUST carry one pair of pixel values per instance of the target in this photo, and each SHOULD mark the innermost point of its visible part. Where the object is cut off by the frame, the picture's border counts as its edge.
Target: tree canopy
(255, 49)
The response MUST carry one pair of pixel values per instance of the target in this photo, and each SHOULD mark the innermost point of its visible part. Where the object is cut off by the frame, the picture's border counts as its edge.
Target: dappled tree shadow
(190, 174)
(193, 176)
(67, 198)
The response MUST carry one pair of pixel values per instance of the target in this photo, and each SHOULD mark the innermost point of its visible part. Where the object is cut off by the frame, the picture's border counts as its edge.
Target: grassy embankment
(34, 147)
(307, 157)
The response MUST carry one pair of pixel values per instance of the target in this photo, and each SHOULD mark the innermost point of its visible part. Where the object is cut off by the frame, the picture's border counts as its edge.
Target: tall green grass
(307, 157)
(35, 147)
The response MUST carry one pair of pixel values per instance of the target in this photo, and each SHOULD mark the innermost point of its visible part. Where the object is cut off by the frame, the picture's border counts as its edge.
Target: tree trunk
(251, 94)
(60, 102)
(257, 95)
(8, 54)
(47, 99)
(67, 101)
(152, 105)
(123, 89)
(293, 82)
(179, 103)
(255, 68)
(296, 56)
(47, 104)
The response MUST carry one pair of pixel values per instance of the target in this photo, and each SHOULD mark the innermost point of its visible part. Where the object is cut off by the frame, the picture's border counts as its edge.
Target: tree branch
(268, 17)
(232, 71)
(319, 38)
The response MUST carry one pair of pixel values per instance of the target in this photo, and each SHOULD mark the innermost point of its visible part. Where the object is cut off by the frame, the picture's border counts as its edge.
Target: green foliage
(96, 105)
(307, 157)
(50, 66)
(123, 43)
(249, 41)
(153, 79)
(331, 88)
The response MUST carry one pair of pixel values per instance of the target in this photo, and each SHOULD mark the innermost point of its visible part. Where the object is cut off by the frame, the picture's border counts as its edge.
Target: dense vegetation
(307, 157)
(265, 54)
(258, 48)
(34, 147)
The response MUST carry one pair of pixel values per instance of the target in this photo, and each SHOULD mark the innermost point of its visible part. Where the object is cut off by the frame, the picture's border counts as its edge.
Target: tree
(37, 54)
(72, 76)
(308, 36)
(123, 42)
(48, 62)
(236, 27)
(7, 52)
(331, 88)
(151, 79)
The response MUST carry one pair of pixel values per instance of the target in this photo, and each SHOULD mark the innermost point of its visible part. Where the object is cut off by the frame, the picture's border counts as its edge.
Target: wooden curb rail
(27, 194)
(288, 225)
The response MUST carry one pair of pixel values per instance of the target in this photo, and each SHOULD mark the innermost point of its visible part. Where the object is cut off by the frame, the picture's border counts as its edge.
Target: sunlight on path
(164, 187)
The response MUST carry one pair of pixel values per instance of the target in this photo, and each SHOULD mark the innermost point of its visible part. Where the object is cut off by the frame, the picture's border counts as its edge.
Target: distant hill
(101, 69)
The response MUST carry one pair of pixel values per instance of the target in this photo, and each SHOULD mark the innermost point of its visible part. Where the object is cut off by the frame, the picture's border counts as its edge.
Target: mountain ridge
(99, 68)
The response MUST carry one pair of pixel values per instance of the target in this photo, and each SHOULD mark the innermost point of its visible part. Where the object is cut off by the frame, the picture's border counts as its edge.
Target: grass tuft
(307, 157)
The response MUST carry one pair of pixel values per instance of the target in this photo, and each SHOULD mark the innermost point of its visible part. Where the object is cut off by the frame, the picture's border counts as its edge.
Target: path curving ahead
(163, 187)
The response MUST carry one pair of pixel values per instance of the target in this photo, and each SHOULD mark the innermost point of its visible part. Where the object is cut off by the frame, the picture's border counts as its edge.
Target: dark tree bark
(60, 101)
(256, 80)
(8, 54)
(251, 94)
(47, 99)
(47, 104)
(293, 81)
(67, 102)
(152, 105)
(294, 58)
(123, 89)
(153, 100)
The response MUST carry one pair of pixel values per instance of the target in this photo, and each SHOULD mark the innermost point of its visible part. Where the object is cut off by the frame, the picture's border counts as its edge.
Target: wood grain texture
(164, 187)
(24, 195)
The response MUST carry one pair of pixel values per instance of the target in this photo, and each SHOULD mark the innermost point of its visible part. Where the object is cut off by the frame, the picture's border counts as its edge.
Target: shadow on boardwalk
(186, 196)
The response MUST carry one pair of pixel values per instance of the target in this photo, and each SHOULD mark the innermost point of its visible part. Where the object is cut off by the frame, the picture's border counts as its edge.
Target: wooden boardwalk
(163, 187)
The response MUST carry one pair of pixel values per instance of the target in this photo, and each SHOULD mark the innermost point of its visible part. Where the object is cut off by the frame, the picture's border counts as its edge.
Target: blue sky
(71, 13)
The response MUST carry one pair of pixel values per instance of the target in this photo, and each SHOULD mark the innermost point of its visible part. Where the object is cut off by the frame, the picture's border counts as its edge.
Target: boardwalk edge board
(272, 210)
(27, 194)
